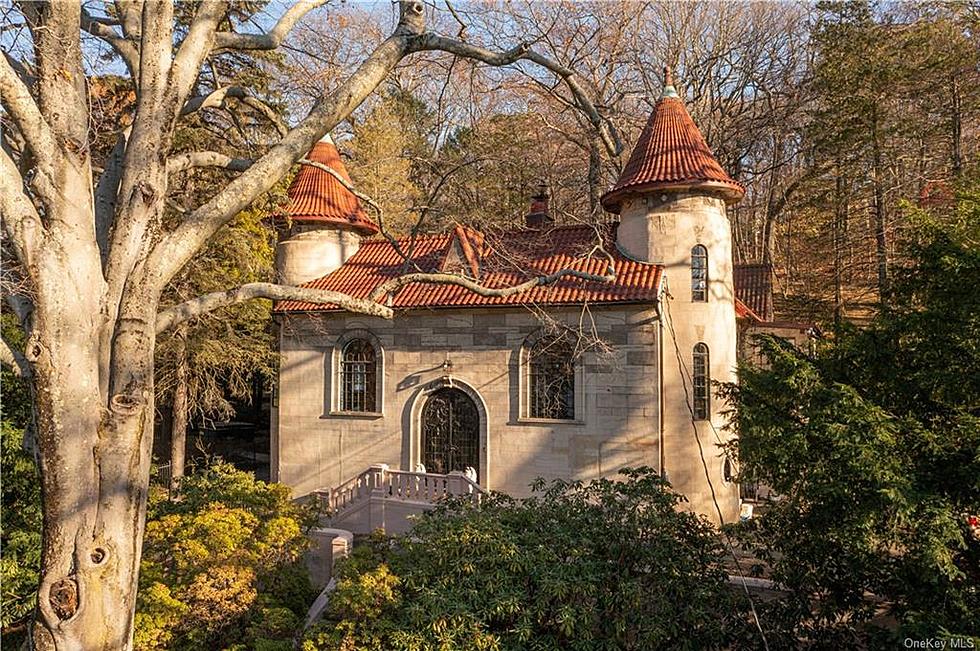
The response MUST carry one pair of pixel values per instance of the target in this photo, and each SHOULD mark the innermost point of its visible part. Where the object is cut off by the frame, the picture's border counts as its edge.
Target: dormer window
(699, 274)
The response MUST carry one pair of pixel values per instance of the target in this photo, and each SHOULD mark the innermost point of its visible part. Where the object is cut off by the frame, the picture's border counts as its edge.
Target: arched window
(728, 471)
(551, 379)
(699, 274)
(702, 383)
(358, 376)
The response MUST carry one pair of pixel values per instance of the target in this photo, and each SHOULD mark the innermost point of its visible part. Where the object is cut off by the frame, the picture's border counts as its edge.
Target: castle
(575, 379)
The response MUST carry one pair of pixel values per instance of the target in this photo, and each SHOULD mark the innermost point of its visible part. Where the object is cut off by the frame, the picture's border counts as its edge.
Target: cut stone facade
(666, 317)
(617, 405)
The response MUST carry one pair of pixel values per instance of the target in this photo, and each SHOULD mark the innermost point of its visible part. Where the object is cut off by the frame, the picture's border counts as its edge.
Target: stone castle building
(510, 388)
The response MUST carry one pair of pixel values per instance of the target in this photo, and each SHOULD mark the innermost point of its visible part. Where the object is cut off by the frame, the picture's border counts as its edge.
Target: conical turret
(323, 222)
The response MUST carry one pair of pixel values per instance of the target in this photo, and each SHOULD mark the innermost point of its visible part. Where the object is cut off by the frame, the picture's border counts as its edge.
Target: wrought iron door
(450, 432)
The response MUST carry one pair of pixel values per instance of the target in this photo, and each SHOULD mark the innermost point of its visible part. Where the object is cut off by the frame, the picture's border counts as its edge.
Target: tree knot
(63, 597)
(126, 404)
(412, 17)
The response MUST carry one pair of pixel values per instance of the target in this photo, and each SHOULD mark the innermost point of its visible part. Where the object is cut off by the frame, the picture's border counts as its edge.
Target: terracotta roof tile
(316, 196)
(671, 153)
(753, 287)
(742, 311)
(509, 259)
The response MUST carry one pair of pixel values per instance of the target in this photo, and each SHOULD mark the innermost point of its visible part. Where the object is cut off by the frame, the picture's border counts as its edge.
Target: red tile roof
(742, 311)
(508, 259)
(753, 287)
(474, 247)
(317, 197)
(671, 153)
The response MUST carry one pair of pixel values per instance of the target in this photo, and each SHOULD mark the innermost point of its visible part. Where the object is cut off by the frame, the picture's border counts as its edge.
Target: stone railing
(380, 482)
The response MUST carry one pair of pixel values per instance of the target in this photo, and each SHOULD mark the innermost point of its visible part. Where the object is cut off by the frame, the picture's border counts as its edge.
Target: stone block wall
(617, 402)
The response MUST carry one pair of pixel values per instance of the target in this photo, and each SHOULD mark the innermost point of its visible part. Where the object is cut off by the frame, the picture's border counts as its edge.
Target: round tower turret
(672, 198)
(323, 222)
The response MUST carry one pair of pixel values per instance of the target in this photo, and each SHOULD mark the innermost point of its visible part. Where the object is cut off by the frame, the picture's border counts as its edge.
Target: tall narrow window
(699, 273)
(702, 383)
(551, 379)
(358, 377)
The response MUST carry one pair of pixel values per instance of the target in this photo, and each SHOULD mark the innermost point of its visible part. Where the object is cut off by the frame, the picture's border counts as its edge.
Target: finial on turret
(326, 138)
(669, 90)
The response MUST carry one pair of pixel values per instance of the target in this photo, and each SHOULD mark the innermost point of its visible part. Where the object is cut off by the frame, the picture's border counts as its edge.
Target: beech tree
(92, 252)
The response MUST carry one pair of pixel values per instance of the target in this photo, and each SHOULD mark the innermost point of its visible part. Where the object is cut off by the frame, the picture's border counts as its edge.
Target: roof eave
(482, 306)
(362, 226)
(732, 192)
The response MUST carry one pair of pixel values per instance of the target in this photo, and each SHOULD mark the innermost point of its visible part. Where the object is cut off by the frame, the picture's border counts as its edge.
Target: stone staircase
(381, 498)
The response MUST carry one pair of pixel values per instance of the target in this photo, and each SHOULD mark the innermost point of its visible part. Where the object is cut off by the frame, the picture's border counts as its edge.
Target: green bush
(21, 531)
(222, 565)
(604, 565)
(874, 446)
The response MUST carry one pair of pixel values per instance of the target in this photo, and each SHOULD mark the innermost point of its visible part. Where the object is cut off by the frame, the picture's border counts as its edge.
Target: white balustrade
(379, 481)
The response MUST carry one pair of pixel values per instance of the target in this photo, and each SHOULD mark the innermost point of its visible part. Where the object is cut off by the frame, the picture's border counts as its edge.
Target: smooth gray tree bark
(94, 249)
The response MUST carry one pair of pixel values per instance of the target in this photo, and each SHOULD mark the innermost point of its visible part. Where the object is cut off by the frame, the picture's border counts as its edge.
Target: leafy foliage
(604, 565)
(15, 392)
(222, 565)
(21, 532)
(874, 448)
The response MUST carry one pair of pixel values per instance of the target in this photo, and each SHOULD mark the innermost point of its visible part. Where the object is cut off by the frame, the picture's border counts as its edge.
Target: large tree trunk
(94, 448)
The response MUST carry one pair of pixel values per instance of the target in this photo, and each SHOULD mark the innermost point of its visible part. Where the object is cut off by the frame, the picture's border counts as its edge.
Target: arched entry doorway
(450, 432)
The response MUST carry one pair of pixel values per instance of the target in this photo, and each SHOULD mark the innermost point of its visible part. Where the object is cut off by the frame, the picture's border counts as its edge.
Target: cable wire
(707, 474)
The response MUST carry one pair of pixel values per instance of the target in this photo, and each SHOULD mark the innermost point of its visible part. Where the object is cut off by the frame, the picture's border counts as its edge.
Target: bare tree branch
(363, 197)
(207, 159)
(523, 52)
(26, 75)
(397, 283)
(21, 223)
(129, 17)
(196, 45)
(273, 38)
(106, 193)
(209, 302)
(19, 104)
(218, 98)
(102, 28)
(14, 359)
(171, 254)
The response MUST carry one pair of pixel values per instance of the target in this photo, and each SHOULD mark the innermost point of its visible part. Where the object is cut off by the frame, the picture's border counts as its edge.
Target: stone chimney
(539, 216)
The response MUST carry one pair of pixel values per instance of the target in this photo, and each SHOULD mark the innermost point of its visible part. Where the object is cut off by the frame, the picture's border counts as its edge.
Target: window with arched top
(358, 376)
(728, 471)
(551, 379)
(702, 383)
(699, 273)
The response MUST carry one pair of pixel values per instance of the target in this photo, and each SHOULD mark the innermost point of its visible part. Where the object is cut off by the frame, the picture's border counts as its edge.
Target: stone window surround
(335, 368)
(524, 387)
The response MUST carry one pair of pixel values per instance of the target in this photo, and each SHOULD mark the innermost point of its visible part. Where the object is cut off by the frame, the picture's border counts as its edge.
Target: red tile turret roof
(671, 154)
(507, 260)
(316, 197)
